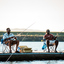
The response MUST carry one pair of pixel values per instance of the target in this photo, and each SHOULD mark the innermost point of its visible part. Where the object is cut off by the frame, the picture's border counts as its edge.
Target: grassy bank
(34, 36)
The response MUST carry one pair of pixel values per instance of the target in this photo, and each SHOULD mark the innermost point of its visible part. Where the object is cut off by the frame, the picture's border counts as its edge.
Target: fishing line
(29, 26)
(26, 28)
(60, 32)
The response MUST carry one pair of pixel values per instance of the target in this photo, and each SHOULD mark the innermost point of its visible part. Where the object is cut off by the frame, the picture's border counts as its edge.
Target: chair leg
(5, 48)
(52, 48)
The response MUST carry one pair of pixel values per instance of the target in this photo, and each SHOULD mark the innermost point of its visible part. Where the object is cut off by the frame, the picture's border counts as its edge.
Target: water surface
(36, 46)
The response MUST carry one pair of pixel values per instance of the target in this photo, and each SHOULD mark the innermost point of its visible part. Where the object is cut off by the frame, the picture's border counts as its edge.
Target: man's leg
(17, 44)
(9, 44)
(56, 44)
(47, 41)
(12, 42)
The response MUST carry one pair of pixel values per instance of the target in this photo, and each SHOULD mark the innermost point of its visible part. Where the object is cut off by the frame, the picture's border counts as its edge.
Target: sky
(43, 14)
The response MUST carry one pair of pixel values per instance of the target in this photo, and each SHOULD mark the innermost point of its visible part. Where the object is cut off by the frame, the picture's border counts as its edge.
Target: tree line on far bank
(34, 36)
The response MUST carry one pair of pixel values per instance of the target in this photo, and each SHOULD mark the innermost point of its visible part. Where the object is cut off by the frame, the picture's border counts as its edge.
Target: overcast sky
(47, 14)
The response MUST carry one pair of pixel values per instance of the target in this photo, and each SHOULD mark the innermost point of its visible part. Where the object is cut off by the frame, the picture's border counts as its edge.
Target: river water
(36, 46)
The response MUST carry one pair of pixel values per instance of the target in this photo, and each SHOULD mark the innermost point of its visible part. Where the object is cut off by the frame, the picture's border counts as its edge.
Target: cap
(8, 29)
(47, 30)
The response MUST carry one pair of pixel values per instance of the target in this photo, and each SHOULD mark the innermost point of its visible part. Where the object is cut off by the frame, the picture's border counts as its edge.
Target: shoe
(48, 51)
(56, 52)
(17, 52)
(10, 51)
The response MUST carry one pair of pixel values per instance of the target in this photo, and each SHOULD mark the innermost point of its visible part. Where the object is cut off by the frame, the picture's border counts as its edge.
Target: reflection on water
(35, 62)
(36, 46)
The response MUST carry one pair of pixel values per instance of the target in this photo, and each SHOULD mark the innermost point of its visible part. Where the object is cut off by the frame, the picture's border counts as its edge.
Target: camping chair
(5, 48)
(51, 47)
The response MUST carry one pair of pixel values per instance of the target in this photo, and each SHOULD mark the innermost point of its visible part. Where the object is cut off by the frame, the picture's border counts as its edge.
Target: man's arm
(55, 37)
(5, 38)
(12, 36)
(45, 37)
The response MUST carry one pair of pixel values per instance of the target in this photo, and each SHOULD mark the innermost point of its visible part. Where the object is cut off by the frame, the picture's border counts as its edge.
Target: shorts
(51, 41)
(6, 43)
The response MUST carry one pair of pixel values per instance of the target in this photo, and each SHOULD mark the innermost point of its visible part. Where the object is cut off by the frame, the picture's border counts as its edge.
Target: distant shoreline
(34, 36)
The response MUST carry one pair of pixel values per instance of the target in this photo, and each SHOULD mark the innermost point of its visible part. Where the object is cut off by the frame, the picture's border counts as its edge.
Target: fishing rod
(22, 39)
(60, 32)
(25, 30)
(29, 26)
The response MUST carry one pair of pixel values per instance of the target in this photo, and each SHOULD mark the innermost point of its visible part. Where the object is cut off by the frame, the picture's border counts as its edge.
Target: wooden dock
(32, 56)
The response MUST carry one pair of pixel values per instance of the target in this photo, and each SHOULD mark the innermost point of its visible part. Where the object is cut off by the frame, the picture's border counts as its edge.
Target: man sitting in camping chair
(10, 39)
(50, 40)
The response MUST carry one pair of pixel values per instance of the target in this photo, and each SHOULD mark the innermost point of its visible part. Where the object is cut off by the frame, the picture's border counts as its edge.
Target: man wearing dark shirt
(50, 40)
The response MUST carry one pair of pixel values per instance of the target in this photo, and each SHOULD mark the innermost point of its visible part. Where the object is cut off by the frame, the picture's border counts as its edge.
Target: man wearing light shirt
(10, 39)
